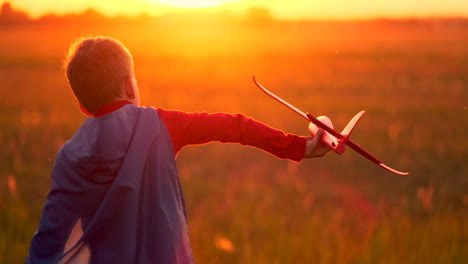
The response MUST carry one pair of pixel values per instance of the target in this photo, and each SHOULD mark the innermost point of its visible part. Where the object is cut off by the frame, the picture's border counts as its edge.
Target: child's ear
(129, 90)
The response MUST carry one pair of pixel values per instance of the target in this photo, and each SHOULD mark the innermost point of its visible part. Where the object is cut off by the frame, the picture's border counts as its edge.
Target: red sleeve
(197, 128)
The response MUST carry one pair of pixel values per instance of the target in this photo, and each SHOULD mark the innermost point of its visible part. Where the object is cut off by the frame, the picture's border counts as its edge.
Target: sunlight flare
(11, 184)
(192, 3)
(224, 244)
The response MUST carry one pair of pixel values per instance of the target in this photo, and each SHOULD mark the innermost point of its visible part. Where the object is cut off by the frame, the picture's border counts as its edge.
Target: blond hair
(95, 68)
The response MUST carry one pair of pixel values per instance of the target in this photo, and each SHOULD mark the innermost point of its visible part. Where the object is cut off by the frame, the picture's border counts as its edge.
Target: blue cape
(116, 195)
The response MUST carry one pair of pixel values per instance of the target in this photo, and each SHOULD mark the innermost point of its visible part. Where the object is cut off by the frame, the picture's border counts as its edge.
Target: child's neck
(109, 108)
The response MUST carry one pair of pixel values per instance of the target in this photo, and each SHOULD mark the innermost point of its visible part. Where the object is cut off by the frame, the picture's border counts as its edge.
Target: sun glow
(192, 3)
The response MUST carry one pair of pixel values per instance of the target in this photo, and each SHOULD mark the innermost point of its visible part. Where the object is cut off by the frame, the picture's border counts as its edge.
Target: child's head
(96, 68)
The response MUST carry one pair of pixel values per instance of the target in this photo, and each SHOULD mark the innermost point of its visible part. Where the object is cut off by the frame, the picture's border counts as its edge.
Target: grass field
(245, 206)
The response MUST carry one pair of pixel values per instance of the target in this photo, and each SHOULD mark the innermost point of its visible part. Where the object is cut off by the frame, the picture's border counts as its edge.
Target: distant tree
(92, 15)
(87, 17)
(8, 16)
(259, 15)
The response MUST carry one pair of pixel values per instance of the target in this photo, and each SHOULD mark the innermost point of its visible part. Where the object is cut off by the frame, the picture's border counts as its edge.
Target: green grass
(338, 209)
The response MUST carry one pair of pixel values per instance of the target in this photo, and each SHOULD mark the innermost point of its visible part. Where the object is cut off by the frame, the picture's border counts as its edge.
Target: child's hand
(315, 148)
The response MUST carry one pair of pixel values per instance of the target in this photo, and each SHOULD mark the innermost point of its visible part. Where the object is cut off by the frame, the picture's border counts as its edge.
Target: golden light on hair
(95, 68)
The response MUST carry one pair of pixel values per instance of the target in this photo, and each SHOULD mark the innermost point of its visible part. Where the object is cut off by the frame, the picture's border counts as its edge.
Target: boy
(116, 195)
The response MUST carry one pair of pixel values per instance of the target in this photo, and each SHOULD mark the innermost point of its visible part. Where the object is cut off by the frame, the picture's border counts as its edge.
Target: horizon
(302, 11)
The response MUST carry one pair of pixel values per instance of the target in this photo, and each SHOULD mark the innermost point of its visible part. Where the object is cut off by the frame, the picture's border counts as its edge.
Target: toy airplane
(336, 141)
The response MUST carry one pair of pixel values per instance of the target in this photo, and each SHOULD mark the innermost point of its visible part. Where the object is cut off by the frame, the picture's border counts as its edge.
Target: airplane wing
(330, 130)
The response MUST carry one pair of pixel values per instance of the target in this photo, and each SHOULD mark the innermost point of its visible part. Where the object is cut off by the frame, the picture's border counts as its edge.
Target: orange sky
(341, 9)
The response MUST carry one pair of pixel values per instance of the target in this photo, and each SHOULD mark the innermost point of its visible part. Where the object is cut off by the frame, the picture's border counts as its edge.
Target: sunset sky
(341, 9)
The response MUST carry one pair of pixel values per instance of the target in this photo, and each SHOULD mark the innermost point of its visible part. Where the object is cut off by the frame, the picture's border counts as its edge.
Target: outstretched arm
(198, 128)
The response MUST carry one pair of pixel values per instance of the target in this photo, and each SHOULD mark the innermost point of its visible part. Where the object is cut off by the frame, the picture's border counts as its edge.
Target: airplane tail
(333, 139)
(350, 126)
